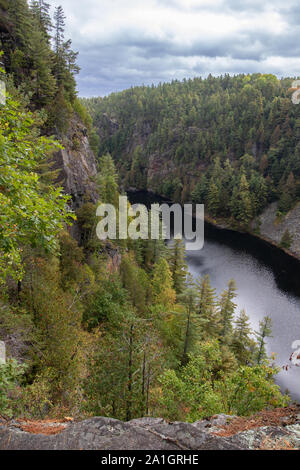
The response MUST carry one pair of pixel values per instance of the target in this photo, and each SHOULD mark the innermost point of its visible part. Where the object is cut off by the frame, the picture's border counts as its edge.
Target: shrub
(10, 373)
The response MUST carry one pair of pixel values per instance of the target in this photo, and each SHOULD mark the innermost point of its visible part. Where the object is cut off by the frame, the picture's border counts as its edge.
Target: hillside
(231, 143)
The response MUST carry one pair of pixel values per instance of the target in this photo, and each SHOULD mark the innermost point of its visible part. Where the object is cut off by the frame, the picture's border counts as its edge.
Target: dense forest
(231, 143)
(119, 328)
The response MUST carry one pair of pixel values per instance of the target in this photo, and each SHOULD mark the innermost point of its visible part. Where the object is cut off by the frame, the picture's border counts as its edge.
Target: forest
(229, 142)
(136, 337)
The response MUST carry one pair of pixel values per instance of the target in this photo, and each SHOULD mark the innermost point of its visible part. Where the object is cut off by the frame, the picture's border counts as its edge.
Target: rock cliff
(273, 229)
(268, 430)
(77, 164)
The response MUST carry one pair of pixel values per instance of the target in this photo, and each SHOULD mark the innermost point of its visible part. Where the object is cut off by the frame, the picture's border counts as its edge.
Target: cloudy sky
(134, 42)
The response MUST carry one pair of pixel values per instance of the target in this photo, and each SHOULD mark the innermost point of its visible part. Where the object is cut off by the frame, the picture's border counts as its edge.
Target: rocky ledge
(268, 430)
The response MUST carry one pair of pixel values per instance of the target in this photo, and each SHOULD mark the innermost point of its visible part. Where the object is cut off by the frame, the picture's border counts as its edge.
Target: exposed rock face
(145, 434)
(273, 229)
(78, 165)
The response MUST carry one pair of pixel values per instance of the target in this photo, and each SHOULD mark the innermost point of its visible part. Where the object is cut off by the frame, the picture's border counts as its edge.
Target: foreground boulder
(148, 434)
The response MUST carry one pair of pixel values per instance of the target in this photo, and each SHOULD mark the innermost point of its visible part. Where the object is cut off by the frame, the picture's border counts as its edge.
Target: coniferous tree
(178, 265)
(162, 284)
(41, 12)
(189, 299)
(59, 30)
(265, 331)
(19, 15)
(213, 198)
(108, 181)
(42, 81)
(242, 344)
(206, 308)
(226, 308)
(241, 205)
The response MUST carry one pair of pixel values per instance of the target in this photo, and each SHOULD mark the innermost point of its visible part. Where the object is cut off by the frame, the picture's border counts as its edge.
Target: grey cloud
(128, 57)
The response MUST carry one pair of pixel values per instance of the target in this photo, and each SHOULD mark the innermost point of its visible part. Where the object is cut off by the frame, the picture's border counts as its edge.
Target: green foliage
(162, 284)
(114, 387)
(226, 308)
(108, 181)
(86, 217)
(198, 390)
(119, 329)
(228, 142)
(286, 240)
(192, 322)
(106, 304)
(82, 113)
(178, 265)
(265, 331)
(206, 307)
(242, 344)
(30, 216)
(44, 75)
(59, 343)
(10, 374)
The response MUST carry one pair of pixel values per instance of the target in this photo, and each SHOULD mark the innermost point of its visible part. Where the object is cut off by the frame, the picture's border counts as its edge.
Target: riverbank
(270, 228)
(266, 228)
(284, 263)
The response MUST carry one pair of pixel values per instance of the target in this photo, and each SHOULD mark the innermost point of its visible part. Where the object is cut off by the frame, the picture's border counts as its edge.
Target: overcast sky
(134, 42)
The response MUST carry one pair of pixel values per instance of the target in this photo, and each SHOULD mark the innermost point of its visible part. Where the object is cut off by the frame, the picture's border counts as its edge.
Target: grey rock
(77, 165)
(257, 438)
(213, 424)
(2, 352)
(272, 229)
(146, 434)
(111, 434)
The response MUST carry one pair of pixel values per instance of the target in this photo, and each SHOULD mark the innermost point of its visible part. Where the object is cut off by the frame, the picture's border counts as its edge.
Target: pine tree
(108, 181)
(59, 32)
(199, 194)
(265, 331)
(115, 372)
(206, 308)
(162, 284)
(178, 265)
(213, 198)
(59, 26)
(41, 12)
(242, 345)
(226, 308)
(189, 299)
(241, 205)
(21, 20)
(70, 58)
(42, 81)
(258, 190)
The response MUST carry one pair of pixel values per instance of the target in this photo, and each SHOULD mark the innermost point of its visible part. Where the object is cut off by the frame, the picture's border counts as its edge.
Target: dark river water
(268, 283)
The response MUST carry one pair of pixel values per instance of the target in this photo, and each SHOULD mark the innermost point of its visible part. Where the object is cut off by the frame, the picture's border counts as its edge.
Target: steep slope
(232, 143)
(77, 164)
